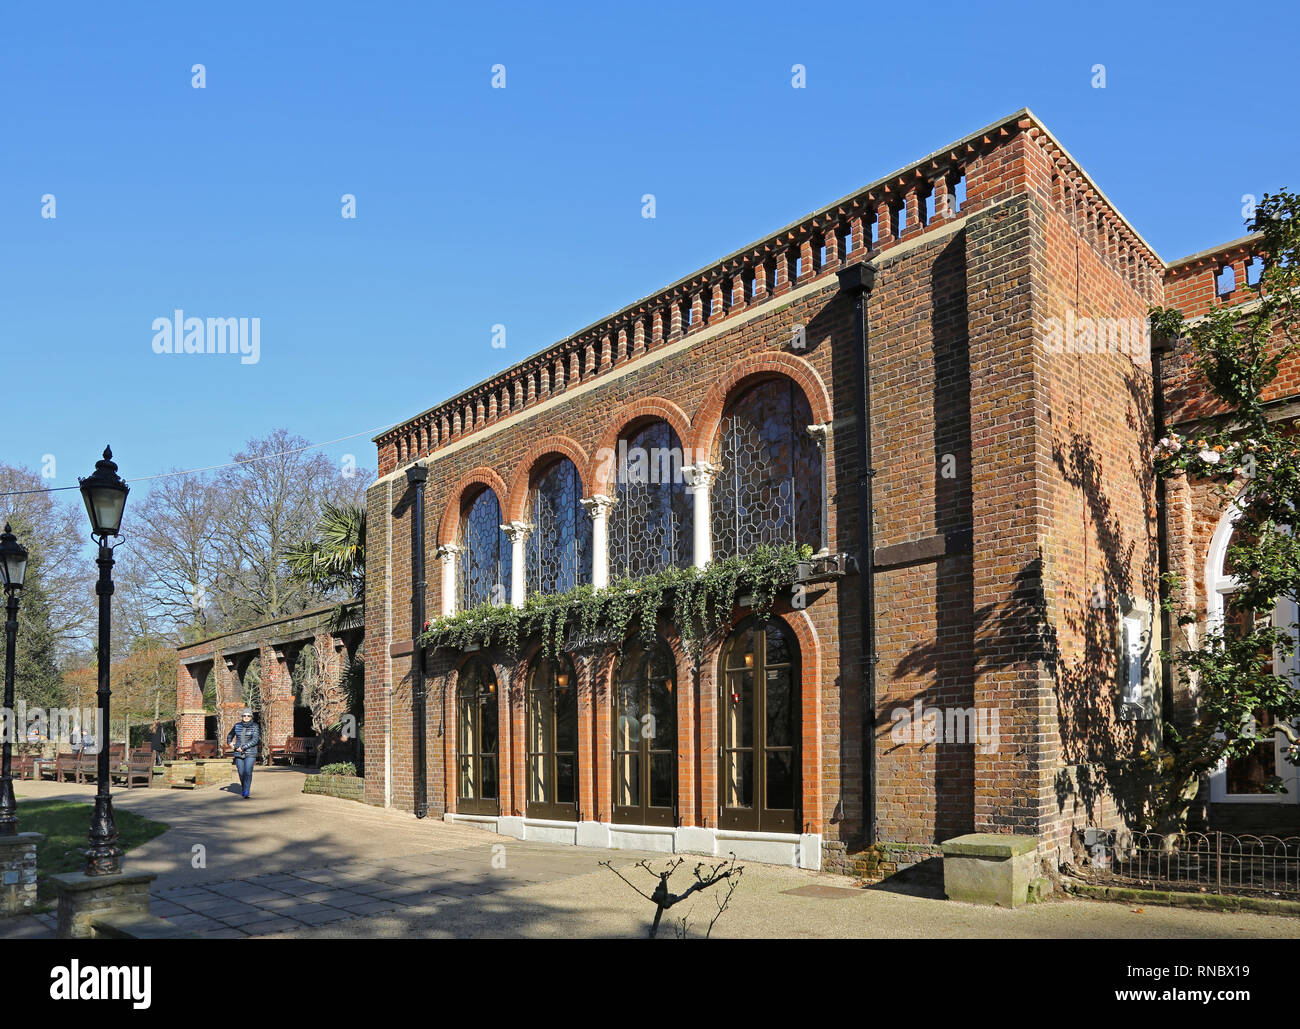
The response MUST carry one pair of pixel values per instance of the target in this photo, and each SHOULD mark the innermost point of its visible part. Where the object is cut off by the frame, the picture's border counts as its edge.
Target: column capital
(448, 551)
(820, 433)
(701, 473)
(598, 505)
(516, 532)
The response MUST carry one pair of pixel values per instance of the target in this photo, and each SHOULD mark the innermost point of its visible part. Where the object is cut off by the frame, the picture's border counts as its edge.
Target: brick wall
(1028, 463)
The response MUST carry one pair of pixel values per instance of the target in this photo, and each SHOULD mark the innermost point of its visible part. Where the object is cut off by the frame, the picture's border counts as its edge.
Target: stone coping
(120, 926)
(79, 882)
(989, 845)
(22, 839)
(1227, 902)
(196, 761)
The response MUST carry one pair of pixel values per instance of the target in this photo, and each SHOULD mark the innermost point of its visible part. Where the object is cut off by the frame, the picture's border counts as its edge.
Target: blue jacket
(247, 736)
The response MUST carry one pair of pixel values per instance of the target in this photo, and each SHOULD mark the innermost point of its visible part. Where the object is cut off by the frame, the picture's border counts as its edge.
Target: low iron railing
(1208, 862)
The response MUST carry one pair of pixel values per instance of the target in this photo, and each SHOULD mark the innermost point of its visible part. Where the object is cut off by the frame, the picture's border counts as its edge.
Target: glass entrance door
(645, 737)
(553, 740)
(759, 772)
(476, 739)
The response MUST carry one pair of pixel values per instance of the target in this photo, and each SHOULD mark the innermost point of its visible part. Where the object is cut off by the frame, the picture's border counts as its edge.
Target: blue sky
(520, 206)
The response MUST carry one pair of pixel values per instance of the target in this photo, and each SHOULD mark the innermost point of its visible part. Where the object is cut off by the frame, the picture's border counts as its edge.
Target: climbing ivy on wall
(697, 600)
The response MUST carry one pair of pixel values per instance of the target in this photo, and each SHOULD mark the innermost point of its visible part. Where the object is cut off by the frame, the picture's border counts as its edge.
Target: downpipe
(857, 282)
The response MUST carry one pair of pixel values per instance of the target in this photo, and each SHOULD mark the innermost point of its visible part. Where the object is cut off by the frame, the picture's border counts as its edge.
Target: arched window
(553, 739)
(645, 736)
(559, 547)
(759, 752)
(477, 748)
(1243, 780)
(484, 563)
(650, 522)
(769, 490)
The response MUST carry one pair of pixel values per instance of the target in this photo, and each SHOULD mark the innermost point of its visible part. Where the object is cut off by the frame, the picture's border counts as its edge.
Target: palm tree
(334, 562)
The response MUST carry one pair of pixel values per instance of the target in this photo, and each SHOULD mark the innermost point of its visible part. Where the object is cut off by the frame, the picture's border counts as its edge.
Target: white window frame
(1217, 586)
(1136, 647)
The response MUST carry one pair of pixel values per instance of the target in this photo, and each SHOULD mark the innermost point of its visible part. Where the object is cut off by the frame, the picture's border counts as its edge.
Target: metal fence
(1210, 862)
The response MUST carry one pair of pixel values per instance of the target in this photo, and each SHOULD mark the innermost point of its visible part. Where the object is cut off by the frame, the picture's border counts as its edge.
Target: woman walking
(158, 742)
(245, 737)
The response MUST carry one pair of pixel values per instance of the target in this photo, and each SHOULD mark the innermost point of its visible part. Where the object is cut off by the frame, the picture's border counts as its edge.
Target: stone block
(18, 872)
(989, 868)
(83, 899)
(511, 825)
(692, 839)
(593, 834)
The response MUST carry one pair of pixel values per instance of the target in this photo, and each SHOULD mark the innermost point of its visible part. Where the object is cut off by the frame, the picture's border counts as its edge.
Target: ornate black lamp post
(105, 495)
(13, 569)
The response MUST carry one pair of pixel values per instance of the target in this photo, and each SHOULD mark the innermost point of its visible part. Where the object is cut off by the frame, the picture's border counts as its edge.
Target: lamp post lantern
(13, 569)
(105, 495)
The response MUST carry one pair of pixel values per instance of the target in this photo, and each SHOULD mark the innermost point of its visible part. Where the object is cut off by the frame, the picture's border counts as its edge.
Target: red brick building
(1015, 563)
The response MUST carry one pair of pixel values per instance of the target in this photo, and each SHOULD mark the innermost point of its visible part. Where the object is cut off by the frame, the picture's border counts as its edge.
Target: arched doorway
(645, 736)
(305, 685)
(209, 692)
(553, 739)
(759, 741)
(477, 749)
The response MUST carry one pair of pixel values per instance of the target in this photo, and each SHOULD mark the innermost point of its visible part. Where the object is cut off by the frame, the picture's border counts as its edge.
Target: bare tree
(663, 899)
(172, 556)
(210, 552)
(271, 502)
(54, 531)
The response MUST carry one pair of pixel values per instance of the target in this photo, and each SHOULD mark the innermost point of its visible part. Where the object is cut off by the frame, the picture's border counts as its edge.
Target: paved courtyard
(287, 864)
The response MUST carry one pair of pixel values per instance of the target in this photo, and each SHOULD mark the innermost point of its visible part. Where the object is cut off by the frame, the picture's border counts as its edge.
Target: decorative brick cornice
(814, 247)
(1190, 283)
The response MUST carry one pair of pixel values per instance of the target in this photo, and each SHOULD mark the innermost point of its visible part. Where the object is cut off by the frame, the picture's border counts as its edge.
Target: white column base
(593, 834)
(789, 849)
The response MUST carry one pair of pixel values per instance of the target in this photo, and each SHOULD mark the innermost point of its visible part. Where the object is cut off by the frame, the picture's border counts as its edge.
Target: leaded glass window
(558, 551)
(483, 568)
(769, 489)
(650, 522)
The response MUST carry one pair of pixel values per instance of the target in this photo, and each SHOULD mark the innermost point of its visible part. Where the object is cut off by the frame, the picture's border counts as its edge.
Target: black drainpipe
(857, 281)
(1159, 347)
(416, 476)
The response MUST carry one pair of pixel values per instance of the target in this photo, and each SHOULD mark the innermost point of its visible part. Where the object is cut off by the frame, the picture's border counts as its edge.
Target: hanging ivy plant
(699, 599)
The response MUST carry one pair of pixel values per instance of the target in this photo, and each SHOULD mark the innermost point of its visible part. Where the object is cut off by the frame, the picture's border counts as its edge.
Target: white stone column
(598, 507)
(517, 534)
(702, 474)
(447, 554)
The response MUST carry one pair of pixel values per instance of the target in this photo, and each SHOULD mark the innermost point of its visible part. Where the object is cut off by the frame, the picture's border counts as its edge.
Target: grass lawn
(66, 826)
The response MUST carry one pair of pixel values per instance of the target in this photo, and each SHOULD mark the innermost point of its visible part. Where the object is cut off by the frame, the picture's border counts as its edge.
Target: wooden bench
(63, 765)
(276, 752)
(140, 766)
(303, 747)
(201, 748)
(24, 766)
(88, 766)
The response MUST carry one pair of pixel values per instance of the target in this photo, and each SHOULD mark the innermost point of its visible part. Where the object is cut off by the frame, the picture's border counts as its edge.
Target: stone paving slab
(294, 865)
